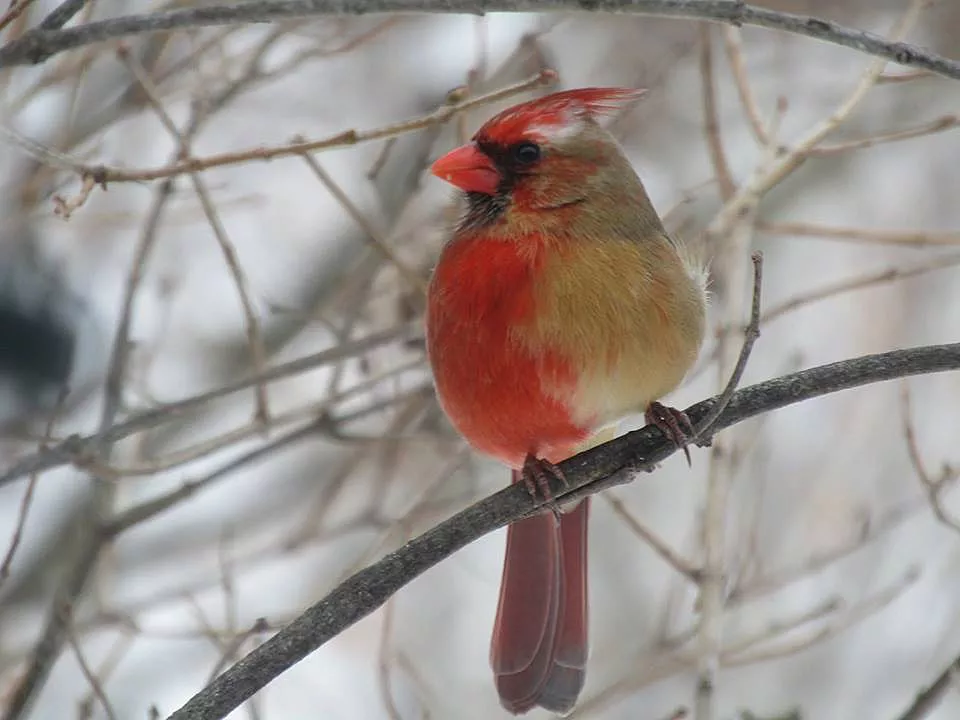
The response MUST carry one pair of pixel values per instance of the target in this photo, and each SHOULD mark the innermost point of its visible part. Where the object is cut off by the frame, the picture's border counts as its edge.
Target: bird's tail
(539, 648)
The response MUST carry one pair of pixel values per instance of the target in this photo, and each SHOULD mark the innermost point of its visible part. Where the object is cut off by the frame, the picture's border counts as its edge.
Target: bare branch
(86, 550)
(930, 697)
(766, 178)
(102, 174)
(28, 497)
(75, 449)
(668, 554)
(251, 322)
(839, 622)
(750, 335)
(776, 580)
(711, 121)
(15, 10)
(62, 14)
(732, 357)
(946, 122)
(377, 238)
(211, 63)
(383, 664)
(883, 277)
(95, 685)
(40, 44)
(734, 49)
(149, 508)
(917, 238)
(370, 588)
(934, 486)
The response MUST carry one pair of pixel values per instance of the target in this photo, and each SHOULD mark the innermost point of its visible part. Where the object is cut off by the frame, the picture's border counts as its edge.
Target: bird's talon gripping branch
(536, 476)
(673, 423)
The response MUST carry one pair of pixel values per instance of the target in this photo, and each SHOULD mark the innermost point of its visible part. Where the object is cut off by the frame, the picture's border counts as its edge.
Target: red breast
(491, 386)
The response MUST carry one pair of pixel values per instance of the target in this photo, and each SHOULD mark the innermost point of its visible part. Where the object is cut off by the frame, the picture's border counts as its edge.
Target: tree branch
(929, 698)
(77, 448)
(39, 44)
(586, 473)
(62, 14)
(103, 175)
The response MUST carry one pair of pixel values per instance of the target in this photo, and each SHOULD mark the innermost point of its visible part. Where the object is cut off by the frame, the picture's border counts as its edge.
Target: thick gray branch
(39, 44)
(370, 588)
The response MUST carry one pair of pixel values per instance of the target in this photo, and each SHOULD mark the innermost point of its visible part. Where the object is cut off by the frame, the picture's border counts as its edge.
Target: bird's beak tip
(469, 169)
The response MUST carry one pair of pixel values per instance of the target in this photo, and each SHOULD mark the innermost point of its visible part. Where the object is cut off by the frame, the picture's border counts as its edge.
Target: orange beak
(469, 169)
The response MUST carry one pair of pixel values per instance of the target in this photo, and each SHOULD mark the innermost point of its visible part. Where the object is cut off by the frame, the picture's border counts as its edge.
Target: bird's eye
(526, 153)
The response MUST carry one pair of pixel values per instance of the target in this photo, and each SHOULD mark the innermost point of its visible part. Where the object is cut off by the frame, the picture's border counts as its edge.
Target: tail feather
(568, 673)
(539, 647)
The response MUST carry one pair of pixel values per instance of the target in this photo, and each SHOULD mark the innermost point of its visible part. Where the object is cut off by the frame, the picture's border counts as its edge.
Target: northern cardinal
(558, 305)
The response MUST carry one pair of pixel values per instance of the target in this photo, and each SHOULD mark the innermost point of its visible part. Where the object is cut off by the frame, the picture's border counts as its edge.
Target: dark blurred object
(38, 329)
(36, 349)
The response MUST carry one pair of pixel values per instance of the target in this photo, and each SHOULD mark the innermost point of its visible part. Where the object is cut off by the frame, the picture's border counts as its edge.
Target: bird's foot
(673, 423)
(536, 474)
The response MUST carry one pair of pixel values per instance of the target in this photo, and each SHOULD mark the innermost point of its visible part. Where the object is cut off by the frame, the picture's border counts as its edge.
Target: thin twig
(941, 124)
(251, 428)
(882, 277)
(235, 643)
(838, 623)
(711, 121)
(732, 356)
(118, 651)
(28, 494)
(779, 627)
(383, 663)
(64, 207)
(934, 487)
(917, 238)
(734, 48)
(377, 238)
(663, 665)
(668, 554)
(15, 10)
(149, 508)
(42, 154)
(903, 77)
(750, 334)
(103, 174)
(251, 322)
(776, 580)
(95, 685)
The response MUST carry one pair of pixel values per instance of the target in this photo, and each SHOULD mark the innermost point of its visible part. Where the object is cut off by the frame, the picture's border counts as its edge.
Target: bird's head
(544, 154)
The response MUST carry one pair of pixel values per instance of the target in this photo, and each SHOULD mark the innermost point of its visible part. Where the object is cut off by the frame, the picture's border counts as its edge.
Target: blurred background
(231, 503)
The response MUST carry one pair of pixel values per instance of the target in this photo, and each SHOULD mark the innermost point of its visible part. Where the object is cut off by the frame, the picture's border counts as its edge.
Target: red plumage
(485, 381)
(555, 110)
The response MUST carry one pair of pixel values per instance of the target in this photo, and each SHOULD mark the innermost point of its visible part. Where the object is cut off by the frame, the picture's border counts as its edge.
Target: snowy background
(844, 589)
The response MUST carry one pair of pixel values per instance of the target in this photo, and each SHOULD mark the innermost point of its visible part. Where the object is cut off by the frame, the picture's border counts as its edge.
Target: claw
(673, 423)
(535, 475)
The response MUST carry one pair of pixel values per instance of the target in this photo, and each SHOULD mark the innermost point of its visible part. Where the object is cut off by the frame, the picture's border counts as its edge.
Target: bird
(558, 305)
